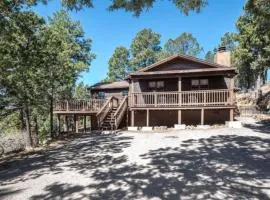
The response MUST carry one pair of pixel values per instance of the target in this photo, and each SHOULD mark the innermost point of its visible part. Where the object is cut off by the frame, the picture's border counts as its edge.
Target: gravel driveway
(192, 164)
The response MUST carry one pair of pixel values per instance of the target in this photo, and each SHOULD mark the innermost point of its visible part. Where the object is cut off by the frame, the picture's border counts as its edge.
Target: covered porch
(202, 97)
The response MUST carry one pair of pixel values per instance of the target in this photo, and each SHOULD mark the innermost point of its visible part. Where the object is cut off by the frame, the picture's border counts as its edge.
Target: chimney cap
(221, 49)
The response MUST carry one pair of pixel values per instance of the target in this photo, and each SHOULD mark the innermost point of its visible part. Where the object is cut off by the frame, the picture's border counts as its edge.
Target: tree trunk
(23, 125)
(34, 132)
(51, 117)
(27, 135)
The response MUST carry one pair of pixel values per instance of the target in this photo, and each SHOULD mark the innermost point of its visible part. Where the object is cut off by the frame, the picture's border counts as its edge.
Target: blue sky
(111, 29)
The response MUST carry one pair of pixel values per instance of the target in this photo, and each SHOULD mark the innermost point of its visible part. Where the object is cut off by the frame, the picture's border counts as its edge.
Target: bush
(12, 142)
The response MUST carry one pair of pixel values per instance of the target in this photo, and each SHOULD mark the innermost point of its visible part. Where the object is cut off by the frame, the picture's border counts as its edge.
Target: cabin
(177, 90)
(119, 89)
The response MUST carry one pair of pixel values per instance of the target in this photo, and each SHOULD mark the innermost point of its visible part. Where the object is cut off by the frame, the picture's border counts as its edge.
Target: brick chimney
(223, 57)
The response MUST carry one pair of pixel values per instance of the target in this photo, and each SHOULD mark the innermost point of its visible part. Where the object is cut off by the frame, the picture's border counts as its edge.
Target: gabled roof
(110, 85)
(184, 57)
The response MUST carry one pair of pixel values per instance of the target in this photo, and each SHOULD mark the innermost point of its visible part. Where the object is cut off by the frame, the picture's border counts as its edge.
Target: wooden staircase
(108, 122)
(112, 113)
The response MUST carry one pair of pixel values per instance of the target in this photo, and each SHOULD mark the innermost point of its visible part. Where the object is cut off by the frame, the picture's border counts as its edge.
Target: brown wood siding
(189, 117)
(215, 116)
(108, 93)
(171, 84)
(142, 85)
(163, 118)
(215, 82)
(179, 64)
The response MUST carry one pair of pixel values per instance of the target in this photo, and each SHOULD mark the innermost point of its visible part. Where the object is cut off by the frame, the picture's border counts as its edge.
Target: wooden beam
(182, 108)
(179, 90)
(179, 116)
(202, 116)
(231, 90)
(147, 117)
(59, 123)
(75, 123)
(231, 114)
(65, 123)
(84, 123)
(132, 118)
(179, 84)
(132, 91)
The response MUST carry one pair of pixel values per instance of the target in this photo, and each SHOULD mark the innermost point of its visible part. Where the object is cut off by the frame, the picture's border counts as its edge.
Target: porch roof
(111, 85)
(210, 71)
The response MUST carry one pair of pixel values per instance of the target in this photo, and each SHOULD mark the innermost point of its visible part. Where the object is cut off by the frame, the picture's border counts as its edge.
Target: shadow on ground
(261, 126)
(219, 167)
(82, 154)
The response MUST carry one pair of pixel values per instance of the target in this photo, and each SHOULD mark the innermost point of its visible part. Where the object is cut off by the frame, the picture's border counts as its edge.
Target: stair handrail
(104, 110)
(118, 115)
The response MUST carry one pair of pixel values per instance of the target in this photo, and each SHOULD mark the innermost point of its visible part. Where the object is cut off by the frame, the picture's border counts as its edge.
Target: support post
(94, 122)
(231, 90)
(84, 123)
(202, 116)
(59, 124)
(75, 124)
(179, 90)
(132, 93)
(231, 114)
(132, 118)
(67, 105)
(155, 99)
(147, 117)
(65, 123)
(179, 116)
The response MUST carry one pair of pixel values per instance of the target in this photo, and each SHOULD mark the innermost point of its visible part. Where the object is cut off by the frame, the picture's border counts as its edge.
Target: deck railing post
(155, 96)
(180, 90)
(204, 98)
(67, 106)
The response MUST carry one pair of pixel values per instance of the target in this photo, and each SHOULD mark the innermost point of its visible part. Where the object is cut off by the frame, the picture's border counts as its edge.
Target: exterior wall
(140, 118)
(189, 117)
(142, 84)
(163, 118)
(211, 116)
(215, 82)
(109, 92)
(216, 116)
(171, 84)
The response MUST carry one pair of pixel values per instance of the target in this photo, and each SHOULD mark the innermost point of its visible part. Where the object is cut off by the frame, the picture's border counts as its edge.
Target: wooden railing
(106, 108)
(79, 105)
(120, 112)
(221, 97)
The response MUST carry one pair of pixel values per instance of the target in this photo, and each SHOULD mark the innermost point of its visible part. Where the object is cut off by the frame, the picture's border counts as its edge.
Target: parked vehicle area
(219, 163)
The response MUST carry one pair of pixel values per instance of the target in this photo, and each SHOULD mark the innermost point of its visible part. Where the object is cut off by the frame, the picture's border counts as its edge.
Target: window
(124, 93)
(160, 84)
(197, 84)
(152, 84)
(156, 84)
(204, 82)
(101, 95)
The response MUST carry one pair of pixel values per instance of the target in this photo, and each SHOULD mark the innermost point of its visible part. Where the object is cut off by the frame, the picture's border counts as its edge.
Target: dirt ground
(217, 163)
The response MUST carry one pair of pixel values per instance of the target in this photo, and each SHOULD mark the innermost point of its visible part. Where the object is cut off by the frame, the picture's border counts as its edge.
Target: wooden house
(177, 90)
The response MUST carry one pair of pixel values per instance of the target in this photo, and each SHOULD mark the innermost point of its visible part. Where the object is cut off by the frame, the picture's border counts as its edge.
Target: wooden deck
(78, 106)
(184, 99)
(154, 100)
